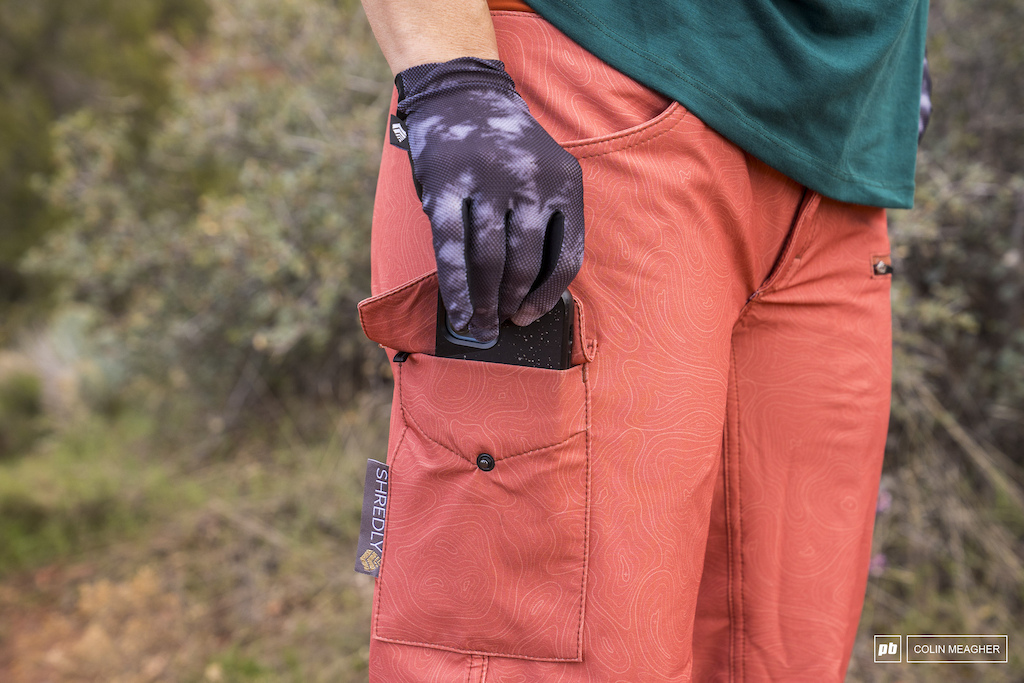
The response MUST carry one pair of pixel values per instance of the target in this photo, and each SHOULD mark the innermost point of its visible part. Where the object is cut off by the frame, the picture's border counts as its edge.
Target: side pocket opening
(404, 319)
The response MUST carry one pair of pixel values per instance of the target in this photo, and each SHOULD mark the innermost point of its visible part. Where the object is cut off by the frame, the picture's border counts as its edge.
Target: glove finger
(524, 242)
(485, 248)
(446, 221)
(553, 237)
(563, 257)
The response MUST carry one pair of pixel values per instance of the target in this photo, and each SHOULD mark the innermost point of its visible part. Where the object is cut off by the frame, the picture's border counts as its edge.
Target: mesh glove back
(505, 201)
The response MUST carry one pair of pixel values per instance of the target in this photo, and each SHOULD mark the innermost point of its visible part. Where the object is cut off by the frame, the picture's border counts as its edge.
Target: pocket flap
(505, 410)
(405, 319)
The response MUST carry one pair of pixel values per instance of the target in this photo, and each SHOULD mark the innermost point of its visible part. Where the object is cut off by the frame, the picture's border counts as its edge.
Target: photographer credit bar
(957, 649)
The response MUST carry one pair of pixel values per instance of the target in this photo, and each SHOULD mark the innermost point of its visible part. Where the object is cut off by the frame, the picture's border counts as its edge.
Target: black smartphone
(544, 343)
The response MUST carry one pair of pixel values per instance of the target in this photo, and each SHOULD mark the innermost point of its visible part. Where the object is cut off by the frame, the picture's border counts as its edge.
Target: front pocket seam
(644, 133)
(665, 113)
(608, 137)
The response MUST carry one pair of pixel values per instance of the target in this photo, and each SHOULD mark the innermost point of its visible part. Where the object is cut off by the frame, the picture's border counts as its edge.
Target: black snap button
(485, 462)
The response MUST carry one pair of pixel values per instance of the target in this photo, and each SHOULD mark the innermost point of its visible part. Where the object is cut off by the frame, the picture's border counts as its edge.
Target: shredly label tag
(371, 528)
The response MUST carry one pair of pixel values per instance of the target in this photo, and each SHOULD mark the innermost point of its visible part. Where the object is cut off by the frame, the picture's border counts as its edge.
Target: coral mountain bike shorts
(694, 498)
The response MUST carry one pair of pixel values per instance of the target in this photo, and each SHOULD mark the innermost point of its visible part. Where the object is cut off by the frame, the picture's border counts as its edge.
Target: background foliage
(951, 517)
(55, 57)
(234, 244)
(185, 191)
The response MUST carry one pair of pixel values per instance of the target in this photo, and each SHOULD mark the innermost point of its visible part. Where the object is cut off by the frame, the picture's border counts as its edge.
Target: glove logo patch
(398, 134)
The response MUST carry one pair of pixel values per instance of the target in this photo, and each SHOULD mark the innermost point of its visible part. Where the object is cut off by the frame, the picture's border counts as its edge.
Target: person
(693, 499)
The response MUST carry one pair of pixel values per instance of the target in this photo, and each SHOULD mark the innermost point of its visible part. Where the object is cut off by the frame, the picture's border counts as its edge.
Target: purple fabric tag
(371, 528)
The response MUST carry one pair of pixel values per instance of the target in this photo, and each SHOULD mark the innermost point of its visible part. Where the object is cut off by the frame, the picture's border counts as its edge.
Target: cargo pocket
(486, 541)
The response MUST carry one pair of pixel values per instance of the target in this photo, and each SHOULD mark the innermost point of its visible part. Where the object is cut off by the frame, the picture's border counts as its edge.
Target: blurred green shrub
(21, 410)
(977, 56)
(959, 296)
(84, 485)
(21, 394)
(55, 57)
(959, 290)
(228, 254)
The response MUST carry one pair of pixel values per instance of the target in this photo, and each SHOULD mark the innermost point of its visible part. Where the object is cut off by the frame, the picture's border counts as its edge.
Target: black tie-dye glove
(505, 201)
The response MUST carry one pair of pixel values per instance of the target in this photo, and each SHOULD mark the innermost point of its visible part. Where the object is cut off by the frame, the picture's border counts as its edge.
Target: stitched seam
(611, 137)
(543, 448)
(637, 131)
(587, 348)
(519, 14)
(811, 239)
(730, 579)
(782, 270)
(752, 125)
(739, 522)
(423, 433)
(483, 672)
(434, 441)
(387, 294)
(586, 521)
(806, 213)
(483, 653)
(407, 285)
(379, 592)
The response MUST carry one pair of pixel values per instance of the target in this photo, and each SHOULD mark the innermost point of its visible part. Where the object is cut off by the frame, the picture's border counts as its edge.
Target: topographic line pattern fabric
(505, 201)
(717, 506)
(451, 580)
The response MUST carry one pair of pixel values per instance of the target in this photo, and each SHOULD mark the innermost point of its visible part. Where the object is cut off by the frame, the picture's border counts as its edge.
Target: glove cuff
(424, 81)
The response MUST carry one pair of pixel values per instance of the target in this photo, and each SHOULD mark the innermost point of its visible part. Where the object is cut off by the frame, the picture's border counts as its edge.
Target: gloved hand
(505, 201)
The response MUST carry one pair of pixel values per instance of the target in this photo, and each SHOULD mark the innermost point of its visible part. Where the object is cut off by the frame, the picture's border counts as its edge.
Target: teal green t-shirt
(826, 91)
